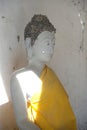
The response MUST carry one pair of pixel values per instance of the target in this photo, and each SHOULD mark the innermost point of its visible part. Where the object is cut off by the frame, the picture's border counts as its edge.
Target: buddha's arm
(19, 104)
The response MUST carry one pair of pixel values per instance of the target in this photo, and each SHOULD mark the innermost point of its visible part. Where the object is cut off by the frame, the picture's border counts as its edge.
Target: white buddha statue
(37, 93)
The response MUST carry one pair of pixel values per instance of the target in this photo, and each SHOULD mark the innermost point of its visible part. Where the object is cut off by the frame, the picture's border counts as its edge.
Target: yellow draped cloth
(50, 109)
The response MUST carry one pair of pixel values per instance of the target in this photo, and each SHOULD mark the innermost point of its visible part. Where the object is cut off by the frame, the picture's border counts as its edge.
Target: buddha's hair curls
(38, 24)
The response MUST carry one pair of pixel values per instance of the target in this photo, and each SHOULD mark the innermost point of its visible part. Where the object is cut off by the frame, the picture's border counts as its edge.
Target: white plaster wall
(70, 57)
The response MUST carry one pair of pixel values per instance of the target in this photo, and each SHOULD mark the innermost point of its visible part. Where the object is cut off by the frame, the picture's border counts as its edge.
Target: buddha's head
(39, 36)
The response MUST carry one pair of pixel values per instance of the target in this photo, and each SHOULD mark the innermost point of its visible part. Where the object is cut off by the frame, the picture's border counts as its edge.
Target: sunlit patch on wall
(3, 95)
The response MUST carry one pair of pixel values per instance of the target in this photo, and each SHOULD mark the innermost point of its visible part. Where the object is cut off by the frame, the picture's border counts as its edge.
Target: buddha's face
(43, 47)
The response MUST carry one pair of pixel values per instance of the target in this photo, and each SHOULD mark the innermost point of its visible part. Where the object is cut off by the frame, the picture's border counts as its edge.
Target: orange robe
(50, 109)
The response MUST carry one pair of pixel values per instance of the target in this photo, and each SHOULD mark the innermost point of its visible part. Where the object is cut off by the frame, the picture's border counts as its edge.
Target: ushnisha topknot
(38, 24)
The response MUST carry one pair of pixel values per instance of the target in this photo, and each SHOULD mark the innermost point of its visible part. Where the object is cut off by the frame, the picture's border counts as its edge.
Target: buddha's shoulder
(19, 71)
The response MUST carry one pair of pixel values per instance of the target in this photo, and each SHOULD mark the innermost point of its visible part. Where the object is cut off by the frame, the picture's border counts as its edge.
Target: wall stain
(14, 68)
(82, 41)
(3, 17)
(78, 2)
(10, 48)
(80, 8)
(75, 4)
(18, 38)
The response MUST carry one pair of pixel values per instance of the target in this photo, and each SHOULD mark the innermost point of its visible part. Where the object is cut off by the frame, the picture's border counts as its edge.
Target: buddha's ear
(28, 46)
(27, 42)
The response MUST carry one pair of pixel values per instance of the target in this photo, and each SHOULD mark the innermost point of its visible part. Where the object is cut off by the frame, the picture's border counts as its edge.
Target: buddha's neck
(36, 65)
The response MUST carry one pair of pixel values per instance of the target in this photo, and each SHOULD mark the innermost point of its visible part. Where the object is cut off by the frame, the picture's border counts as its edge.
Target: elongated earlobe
(28, 47)
(27, 42)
